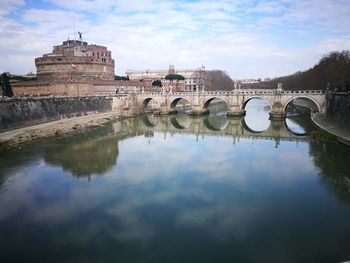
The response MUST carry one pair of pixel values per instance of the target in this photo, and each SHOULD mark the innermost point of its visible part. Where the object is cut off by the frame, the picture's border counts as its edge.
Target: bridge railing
(303, 92)
(235, 92)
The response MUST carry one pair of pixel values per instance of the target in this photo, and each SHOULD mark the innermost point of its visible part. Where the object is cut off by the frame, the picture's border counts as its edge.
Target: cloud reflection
(166, 189)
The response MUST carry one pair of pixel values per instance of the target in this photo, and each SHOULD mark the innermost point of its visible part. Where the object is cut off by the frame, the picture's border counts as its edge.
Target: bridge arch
(145, 102)
(149, 103)
(256, 119)
(174, 102)
(310, 98)
(256, 97)
(210, 99)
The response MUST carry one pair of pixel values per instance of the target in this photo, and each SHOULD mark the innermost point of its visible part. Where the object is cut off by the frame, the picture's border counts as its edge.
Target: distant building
(248, 81)
(194, 78)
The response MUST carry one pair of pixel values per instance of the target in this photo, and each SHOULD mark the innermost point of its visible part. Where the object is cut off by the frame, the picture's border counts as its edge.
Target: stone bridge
(278, 100)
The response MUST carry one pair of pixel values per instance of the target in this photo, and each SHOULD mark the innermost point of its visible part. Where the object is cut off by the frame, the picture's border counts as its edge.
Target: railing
(235, 92)
(50, 96)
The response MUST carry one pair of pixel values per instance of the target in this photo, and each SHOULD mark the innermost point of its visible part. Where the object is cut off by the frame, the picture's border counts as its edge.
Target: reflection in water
(334, 164)
(159, 197)
(257, 115)
(85, 158)
(176, 124)
(216, 122)
(297, 120)
(146, 119)
(246, 127)
(299, 124)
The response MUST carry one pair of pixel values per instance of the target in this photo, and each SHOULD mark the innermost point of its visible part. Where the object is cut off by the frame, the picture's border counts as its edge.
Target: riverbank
(13, 138)
(343, 135)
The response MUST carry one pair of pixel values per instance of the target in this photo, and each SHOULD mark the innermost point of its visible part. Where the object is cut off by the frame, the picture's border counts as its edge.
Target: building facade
(194, 78)
(76, 60)
(74, 68)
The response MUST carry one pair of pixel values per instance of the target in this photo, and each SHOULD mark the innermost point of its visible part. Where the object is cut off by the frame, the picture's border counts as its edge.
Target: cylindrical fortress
(76, 60)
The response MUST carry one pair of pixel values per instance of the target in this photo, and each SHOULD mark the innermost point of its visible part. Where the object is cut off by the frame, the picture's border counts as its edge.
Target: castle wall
(74, 68)
(42, 88)
(16, 113)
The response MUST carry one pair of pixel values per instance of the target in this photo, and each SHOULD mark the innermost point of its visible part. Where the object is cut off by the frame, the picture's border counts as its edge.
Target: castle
(75, 60)
(76, 68)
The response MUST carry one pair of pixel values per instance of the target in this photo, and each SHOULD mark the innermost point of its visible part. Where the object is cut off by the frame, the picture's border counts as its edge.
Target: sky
(245, 38)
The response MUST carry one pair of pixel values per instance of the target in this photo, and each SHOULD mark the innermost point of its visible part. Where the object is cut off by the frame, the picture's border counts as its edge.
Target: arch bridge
(278, 100)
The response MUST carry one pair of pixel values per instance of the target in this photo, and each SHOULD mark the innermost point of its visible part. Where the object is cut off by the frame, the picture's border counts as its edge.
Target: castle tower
(76, 60)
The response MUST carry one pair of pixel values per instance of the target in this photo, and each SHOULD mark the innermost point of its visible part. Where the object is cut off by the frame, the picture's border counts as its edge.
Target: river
(178, 189)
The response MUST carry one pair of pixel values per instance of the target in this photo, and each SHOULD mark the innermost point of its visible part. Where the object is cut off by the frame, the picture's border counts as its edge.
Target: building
(76, 68)
(75, 60)
(194, 78)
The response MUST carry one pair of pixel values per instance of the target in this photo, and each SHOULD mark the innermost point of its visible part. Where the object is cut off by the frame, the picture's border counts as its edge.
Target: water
(177, 189)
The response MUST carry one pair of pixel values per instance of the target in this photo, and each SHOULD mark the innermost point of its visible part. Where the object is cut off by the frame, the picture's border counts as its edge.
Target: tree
(176, 77)
(332, 71)
(218, 80)
(5, 85)
(157, 83)
(116, 77)
(21, 78)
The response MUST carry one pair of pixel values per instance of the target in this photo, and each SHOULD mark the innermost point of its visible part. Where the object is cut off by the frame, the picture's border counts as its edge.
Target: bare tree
(332, 71)
(218, 80)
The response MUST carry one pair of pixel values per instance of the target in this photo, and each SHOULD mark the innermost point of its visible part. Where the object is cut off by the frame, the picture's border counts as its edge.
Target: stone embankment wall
(338, 108)
(15, 113)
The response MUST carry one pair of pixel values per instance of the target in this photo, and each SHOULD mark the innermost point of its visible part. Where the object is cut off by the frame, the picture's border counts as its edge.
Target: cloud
(85, 5)
(8, 6)
(245, 38)
(268, 7)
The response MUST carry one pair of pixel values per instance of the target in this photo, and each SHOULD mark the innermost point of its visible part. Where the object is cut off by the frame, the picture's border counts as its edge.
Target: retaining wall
(16, 113)
(338, 108)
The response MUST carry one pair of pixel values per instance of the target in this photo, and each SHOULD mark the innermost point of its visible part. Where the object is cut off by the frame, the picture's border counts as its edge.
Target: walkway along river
(178, 189)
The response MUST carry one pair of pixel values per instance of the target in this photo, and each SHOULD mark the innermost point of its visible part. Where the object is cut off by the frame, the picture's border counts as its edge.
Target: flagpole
(74, 27)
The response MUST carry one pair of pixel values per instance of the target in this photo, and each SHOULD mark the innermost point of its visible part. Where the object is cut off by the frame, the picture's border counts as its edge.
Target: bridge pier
(198, 110)
(277, 111)
(277, 115)
(165, 111)
(235, 111)
(173, 111)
